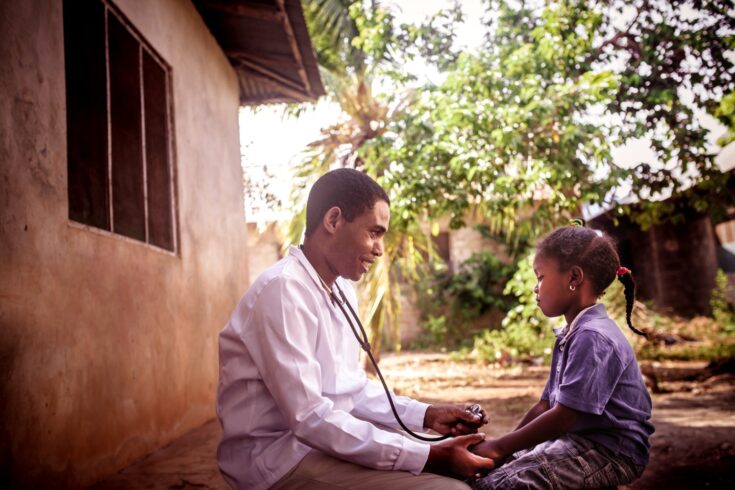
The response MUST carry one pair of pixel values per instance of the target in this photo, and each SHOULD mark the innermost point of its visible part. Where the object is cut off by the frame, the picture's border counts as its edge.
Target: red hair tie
(622, 271)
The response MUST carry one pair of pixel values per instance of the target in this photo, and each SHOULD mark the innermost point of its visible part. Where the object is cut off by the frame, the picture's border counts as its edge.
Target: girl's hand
(452, 457)
(490, 449)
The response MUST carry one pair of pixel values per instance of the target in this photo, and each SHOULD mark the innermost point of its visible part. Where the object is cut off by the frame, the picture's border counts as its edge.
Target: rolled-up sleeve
(283, 347)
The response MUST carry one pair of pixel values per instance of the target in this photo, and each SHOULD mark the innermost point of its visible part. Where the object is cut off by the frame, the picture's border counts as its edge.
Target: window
(120, 162)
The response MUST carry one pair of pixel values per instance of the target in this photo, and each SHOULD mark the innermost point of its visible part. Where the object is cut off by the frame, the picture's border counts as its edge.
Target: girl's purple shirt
(594, 371)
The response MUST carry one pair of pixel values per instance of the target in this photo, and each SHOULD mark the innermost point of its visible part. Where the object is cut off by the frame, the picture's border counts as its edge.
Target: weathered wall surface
(684, 261)
(264, 248)
(674, 265)
(108, 347)
(463, 243)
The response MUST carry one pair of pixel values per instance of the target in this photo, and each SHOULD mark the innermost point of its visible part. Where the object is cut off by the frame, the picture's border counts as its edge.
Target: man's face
(357, 244)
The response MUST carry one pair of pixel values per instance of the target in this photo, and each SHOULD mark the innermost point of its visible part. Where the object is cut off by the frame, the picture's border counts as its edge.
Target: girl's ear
(576, 276)
(331, 218)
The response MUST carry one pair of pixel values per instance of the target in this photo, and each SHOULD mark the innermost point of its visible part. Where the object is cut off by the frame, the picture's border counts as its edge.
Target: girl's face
(552, 287)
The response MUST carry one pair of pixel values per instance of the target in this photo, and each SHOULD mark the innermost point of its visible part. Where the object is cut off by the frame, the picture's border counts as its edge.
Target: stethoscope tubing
(365, 345)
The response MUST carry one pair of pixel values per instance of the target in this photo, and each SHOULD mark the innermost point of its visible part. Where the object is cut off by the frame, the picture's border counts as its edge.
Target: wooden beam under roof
(296, 93)
(263, 57)
(271, 75)
(253, 11)
(275, 61)
(294, 46)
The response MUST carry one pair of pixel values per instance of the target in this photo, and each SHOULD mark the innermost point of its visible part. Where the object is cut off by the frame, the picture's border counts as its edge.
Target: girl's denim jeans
(570, 461)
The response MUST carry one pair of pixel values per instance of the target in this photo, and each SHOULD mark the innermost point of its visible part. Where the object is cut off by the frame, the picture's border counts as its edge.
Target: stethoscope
(362, 339)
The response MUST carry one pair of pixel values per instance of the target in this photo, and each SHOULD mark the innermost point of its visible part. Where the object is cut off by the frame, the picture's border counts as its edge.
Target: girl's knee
(521, 473)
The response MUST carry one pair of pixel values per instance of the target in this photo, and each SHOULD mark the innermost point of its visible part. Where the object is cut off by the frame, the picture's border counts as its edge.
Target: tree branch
(614, 40)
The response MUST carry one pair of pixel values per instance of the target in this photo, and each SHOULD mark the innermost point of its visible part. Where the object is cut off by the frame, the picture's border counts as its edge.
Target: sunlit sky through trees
(271, 142)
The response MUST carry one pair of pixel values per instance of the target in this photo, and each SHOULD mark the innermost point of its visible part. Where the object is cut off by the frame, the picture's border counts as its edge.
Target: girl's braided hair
(594, 252)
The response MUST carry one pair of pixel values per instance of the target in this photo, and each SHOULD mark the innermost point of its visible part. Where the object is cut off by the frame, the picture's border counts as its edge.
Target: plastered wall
(108, 347)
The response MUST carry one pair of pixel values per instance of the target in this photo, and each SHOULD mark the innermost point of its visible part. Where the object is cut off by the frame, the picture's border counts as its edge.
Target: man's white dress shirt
(290, 381)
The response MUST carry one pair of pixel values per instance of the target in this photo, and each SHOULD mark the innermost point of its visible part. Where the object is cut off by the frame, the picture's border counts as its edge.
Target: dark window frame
(138, 177)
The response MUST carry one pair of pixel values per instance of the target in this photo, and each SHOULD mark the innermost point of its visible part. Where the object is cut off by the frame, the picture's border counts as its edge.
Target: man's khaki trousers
(317, 471)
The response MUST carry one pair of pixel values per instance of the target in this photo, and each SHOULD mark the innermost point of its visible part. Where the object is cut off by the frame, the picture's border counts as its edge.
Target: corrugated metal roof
(268, 45)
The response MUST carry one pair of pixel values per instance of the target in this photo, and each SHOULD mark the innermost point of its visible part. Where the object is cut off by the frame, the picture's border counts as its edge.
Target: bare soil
(694, 415)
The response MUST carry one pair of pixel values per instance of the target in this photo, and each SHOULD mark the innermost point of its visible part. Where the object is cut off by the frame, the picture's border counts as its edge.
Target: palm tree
(347, 72)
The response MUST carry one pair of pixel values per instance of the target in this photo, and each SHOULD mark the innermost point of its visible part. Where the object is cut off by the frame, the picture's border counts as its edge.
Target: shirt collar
(595, 311)
(298, 254)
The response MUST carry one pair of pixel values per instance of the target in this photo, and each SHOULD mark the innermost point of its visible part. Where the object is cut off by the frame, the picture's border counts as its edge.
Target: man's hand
(490, 449)
(451, 457)
(453, 419)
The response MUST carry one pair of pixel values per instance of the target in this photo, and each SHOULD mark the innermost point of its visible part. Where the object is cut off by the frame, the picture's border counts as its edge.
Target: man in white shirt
(296, 408)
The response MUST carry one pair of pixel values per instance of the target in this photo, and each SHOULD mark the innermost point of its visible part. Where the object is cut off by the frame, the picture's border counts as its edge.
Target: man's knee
(427, 481)
(456, 485)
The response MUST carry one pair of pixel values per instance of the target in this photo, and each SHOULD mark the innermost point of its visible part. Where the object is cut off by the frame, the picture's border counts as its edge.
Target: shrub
(433, 332)
(723, 310)
(525, 331)
(455, 306)
(478, 286)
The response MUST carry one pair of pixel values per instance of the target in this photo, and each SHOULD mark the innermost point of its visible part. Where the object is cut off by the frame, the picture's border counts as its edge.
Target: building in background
(122, 243)
(675, 264)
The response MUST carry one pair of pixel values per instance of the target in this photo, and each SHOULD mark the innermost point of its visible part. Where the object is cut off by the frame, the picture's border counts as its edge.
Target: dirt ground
(694, 442)
(693, 446)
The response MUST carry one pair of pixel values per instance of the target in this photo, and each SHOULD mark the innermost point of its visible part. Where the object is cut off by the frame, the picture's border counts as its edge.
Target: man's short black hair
(352, 191)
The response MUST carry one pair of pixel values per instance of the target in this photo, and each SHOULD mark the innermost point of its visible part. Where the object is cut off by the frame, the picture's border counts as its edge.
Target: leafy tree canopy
(520, 132)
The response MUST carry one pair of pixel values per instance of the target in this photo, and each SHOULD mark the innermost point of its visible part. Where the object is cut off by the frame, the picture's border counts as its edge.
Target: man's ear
(331, 219)
(576, 276)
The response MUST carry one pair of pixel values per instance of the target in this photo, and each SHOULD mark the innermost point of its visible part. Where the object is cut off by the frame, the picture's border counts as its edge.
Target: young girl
(591, 426)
